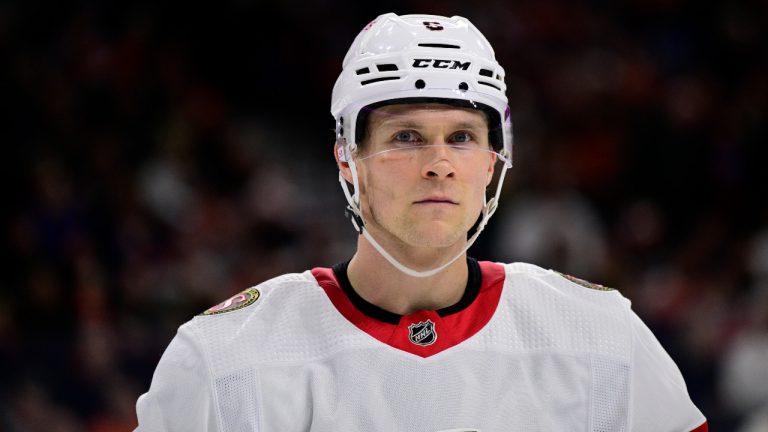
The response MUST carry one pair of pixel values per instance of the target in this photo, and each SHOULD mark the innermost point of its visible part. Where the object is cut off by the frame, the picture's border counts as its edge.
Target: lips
(436, 200)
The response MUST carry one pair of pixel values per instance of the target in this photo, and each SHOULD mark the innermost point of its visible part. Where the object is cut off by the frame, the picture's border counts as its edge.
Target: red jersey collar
(423, 333)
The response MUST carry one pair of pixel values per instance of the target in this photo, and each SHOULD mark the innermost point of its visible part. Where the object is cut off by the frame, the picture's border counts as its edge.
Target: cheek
(378, 188)
(385, 180)
(479, 180)
(478, 189)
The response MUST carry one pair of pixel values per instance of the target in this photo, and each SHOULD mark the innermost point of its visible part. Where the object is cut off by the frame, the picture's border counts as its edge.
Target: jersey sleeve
(659, 398)
(180, 398)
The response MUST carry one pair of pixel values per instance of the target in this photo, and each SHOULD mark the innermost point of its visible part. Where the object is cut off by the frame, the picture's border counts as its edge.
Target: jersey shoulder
(282, 291)
(285, 319)
(544, 310)
(252, 294)
(252, 310)
(566, 284)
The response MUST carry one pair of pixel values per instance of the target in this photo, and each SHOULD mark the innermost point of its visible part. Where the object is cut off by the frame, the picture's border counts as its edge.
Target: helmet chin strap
(356, 217)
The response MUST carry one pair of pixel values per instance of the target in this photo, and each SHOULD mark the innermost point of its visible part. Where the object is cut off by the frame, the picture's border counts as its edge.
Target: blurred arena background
(160, 157)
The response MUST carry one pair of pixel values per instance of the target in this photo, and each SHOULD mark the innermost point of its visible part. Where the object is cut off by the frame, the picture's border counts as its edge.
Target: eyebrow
(409, 124)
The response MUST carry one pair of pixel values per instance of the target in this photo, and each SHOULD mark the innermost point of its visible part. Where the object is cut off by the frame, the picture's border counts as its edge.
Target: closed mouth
(436, 201)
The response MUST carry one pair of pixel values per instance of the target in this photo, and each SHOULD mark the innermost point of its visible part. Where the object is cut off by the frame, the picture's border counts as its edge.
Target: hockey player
(411, 334)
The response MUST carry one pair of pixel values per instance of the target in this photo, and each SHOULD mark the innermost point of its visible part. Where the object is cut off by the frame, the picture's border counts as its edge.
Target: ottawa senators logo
(422, 333)
(238, 301)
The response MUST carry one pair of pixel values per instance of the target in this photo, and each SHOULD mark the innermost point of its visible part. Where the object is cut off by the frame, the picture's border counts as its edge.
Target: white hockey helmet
(419, 59)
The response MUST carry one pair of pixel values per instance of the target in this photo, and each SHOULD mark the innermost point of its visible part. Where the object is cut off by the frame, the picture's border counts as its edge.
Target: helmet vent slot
(386, 67)
(439, 45)
(489, 85)
(486, 72)
(362, 71)
(373, 80)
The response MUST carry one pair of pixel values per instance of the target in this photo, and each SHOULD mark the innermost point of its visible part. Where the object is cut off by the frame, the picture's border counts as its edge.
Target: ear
(491, 166)
(344, 168)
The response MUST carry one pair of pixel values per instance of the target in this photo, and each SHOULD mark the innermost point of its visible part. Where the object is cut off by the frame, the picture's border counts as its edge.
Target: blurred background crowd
(161, 157)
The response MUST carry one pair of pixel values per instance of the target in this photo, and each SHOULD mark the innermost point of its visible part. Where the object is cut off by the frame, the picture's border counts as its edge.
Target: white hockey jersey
(526, 349)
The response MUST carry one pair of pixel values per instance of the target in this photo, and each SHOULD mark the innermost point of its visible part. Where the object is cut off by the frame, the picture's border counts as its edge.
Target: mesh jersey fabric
(554, 356)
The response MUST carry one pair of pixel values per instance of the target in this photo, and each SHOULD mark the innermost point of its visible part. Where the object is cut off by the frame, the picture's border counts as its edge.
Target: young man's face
(423, 171)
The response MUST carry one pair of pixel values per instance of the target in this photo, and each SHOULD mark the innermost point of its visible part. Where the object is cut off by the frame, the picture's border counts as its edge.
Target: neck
(381, 284)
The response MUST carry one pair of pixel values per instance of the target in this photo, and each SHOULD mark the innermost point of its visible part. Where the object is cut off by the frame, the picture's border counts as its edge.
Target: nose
(437, 163)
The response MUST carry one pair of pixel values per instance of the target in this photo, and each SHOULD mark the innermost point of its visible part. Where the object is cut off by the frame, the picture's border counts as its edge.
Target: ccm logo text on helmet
(441, 64)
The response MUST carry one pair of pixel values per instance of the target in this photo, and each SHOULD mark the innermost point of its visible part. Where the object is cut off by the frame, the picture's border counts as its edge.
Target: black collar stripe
(474, 281)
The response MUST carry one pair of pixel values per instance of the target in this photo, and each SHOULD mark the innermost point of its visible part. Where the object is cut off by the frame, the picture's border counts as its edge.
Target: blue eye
(462, 137)
(406, 136)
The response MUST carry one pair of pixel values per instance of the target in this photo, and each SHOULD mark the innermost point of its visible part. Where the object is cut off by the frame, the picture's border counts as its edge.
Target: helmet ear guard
(341, 150)
(344, 148)
(341, 144)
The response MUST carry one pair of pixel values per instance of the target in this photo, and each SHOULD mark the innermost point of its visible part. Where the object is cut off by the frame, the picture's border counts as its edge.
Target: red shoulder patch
(237, 301)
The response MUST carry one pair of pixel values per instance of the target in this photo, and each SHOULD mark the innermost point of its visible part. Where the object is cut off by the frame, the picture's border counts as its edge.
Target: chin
(421, 233)
(436, 237)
